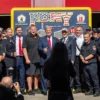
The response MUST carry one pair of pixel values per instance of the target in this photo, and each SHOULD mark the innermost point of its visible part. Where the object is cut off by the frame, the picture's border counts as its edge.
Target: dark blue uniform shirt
(88, 49)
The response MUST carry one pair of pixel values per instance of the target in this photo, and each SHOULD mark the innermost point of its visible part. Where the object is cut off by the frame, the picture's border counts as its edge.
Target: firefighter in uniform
(88, 57)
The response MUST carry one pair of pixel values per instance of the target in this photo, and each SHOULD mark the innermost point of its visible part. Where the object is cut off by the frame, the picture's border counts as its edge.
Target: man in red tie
(20, 66)
(46, 45)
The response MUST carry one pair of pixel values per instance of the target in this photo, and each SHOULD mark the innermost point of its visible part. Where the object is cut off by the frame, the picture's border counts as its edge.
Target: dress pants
(20, 71)
(77, 66)
(43, 82)
(90, 73)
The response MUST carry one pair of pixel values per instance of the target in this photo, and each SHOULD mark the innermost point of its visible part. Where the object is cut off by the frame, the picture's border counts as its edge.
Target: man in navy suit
(20, 65)
(46, 45)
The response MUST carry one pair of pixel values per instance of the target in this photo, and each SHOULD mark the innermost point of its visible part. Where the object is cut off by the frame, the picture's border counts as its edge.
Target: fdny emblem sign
(57, 18)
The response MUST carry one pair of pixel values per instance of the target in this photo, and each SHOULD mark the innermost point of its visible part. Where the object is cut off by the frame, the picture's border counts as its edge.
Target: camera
(10, 71)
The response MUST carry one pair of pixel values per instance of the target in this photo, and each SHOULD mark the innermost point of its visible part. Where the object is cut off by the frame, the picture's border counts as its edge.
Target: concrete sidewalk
(79, 96)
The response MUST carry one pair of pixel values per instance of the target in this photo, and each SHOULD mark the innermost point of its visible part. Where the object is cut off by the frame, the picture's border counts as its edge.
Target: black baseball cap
(95, 30)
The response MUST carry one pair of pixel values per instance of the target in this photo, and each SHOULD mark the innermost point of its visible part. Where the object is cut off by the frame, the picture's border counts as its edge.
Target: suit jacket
(8, 94)
(71, 47)
(14, 38)
(43, 43)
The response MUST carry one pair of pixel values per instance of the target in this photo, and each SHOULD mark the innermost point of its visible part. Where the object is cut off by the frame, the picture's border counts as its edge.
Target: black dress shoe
(90, 92)
(97, 93)
(45, 93)
(24, 92)
(78, 91)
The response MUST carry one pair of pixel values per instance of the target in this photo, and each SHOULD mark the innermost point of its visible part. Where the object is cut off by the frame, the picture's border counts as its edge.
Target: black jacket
(59, 79)
(8, 94)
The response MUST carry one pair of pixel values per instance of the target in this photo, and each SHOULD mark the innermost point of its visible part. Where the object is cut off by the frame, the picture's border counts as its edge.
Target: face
(48, 31)
(64, 34)
(95, 35)
(79, 31)
(33, 30)
(87, 38)
(9, 33)
(98, 35)
(3, 35)
(19, 31)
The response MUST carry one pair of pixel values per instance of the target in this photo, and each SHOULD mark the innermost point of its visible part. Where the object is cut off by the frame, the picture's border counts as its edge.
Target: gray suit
(71, 47)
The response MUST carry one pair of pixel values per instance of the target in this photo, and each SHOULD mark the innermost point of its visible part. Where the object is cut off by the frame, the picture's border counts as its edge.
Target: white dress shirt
(65, 40)
(17, 45)
(50, 40)
(79, 43)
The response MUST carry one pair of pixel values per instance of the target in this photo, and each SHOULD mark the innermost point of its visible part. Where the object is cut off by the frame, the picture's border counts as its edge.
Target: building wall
(49, 3)
(93, 4)
(7, 5)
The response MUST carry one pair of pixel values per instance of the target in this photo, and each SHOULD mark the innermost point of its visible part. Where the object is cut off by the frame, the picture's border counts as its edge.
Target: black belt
(19, 56)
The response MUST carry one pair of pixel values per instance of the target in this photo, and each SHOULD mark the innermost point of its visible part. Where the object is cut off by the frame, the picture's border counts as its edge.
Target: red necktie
(49, 42)
(20, 47)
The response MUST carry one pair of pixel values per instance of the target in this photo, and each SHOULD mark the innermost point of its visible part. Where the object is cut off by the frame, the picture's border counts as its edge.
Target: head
(48, 31)
(98, 35)
(98, 32)
(33, 30)
(9, 32)
(60, 52)
(87, 37)
(89, 30)
(64, 32)
(18, 30)
(4, 34)
(95, 35)
(7, 82)
(79, 30)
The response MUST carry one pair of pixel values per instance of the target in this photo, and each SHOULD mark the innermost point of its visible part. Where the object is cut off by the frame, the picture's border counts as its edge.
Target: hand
(17, 87)
(86, 62)
(14, 54)
(28, 61)
(83, 60)
(98, 58)
(72, 62)
(45, 50)
(3, 57)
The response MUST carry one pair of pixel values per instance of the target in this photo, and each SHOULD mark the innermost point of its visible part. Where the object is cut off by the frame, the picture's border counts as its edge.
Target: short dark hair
(79, 26)
(18, 27)
(87, 33)
(32, 26)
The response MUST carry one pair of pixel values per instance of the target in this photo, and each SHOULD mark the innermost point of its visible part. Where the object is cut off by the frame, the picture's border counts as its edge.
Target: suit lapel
(68, 42)
(46, 42)
(53, 42)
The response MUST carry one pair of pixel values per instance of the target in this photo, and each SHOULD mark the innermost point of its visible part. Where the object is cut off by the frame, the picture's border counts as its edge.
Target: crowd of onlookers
(24, 58)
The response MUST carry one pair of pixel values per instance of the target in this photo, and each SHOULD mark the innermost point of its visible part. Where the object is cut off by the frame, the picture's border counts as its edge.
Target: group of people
(27, 60)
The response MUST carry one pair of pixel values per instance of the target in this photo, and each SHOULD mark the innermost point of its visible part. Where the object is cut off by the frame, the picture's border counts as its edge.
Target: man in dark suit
(6, 91)
(70, 43)
(46, 45)
(20, 65)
